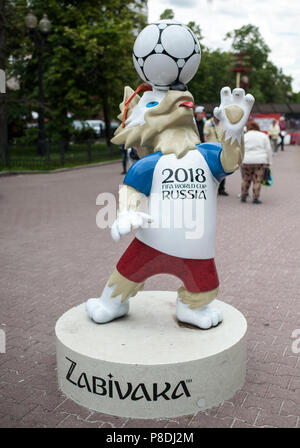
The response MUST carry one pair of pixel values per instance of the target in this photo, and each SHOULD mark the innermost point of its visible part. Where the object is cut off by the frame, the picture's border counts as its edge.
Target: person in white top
(258, 155)
(213, 133)
(274, 132)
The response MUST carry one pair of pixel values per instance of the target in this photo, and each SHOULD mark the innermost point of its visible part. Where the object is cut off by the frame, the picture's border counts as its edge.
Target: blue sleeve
(212, 152)
(140, 174)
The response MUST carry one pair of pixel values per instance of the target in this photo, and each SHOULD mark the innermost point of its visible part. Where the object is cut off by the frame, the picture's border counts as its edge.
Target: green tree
(87, 59)
(17, 62)
(267, 82)
(212, 75)
(248, 39)
(3, 103)
(167, 14)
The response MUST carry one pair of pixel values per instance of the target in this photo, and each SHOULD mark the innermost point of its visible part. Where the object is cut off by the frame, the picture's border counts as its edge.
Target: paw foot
(101, 313)
(204, 318)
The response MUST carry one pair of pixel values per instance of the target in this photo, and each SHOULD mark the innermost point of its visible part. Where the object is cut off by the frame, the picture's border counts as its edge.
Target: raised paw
(233, 112)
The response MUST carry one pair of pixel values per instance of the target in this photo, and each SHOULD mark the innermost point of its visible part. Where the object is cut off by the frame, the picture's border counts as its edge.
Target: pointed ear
(127, 94)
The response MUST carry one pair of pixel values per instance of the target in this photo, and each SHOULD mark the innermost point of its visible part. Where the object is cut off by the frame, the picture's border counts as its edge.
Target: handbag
(268, 178)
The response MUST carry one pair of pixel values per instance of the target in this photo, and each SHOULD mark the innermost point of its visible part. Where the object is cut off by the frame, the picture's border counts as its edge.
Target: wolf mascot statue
(177, 180)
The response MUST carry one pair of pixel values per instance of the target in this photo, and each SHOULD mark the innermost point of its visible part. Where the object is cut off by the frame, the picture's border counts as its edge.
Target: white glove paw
(233, 112)
(126, 221)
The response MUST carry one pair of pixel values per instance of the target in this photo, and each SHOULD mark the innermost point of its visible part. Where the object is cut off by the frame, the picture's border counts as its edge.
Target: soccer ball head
(166, 52)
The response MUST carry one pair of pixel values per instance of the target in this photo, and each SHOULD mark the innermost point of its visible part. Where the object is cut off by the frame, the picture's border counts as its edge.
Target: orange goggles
(141, 88)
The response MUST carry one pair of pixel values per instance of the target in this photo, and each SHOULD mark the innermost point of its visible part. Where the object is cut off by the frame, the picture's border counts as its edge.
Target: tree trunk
(106, 113)
(65, 130)
(3, 102)
(41, 111)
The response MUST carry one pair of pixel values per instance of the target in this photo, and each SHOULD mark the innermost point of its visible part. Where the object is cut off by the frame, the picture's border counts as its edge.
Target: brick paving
(54, 257)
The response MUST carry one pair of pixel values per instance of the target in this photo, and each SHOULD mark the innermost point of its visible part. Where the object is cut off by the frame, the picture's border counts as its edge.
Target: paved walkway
(54, 257)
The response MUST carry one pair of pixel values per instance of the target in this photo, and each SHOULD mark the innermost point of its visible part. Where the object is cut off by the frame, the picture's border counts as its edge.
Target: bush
(29, 138)
(84, 134)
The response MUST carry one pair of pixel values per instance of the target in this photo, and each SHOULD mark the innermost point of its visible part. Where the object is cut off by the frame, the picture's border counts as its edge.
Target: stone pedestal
(147, 364)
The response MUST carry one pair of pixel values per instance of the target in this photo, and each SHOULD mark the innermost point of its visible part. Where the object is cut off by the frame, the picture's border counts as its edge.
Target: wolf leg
(194, 308)
(114, 300)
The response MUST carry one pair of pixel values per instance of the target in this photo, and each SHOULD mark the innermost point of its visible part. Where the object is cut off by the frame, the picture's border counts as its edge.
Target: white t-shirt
(257, 148)
(182, 200)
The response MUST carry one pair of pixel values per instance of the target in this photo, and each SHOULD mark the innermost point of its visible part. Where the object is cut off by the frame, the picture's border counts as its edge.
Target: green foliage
(30, 137)
(267, 82)
(167, 14)
(84, 134)
(248, 39)
(212, 75)
(87, 61)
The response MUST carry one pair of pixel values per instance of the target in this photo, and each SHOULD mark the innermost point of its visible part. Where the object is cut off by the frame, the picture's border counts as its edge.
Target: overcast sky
(278, 21)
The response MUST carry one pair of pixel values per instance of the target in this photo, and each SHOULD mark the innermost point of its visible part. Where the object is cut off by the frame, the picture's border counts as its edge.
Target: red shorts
(140, 262)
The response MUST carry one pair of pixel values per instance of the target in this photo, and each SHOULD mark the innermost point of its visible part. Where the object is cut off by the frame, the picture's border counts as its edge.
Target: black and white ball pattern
(166, 52)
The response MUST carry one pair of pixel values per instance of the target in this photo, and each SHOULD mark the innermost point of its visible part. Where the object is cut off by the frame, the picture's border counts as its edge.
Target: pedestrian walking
(258, 156)
(273, 132)
(200, 121)
(213, 133)
(132, 156)
(282, 125)
(124, 158)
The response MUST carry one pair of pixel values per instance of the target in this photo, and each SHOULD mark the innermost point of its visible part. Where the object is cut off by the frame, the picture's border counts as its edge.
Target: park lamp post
(241, 64)
(38, 33)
